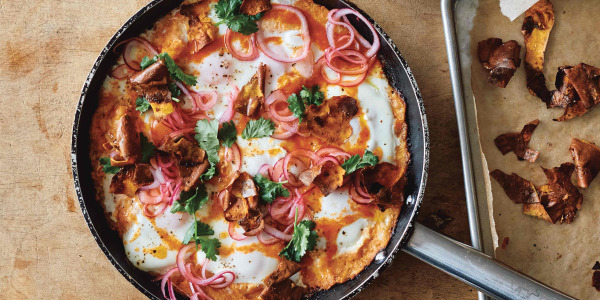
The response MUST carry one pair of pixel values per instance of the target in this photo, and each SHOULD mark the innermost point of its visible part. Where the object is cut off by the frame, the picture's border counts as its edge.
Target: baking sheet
(559, 255)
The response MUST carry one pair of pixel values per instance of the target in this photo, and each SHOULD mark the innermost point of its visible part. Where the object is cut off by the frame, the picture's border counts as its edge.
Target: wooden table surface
(47, 48)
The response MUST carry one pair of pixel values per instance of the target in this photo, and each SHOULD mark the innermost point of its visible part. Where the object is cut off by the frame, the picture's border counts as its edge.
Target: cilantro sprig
(107, 167)
(191, 202)
(227, 134)
(174, 70)
(229, 13)
(142, 104)
(297, 103)
(269, 190)
(198, 233)
(355, 162)
(148, 148)
(303, 240)
(258, 128)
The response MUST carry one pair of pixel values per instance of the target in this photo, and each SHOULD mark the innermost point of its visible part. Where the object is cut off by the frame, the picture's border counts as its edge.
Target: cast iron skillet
(452, 257)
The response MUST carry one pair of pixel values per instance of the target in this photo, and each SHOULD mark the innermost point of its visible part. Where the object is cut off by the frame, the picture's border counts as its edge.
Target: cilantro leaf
(296, 106)
(147, 148)
(229, 13)
(142, 104)
(197, 233)
(297, 103)
(303, 240)
(227, 134)
(270, 190)
(258, 128)
(147, 61)
(174, 89)
(107, 167)
(207, 137)
(356, 162)
(175, 71)
(312, 96)
(209, 246)
(191, 201)
(209, 173)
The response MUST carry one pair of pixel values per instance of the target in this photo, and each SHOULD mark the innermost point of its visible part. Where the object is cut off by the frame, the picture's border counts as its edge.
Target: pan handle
(475, 268)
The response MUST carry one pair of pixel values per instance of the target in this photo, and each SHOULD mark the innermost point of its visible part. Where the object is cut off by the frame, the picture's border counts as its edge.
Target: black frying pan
(457, 259)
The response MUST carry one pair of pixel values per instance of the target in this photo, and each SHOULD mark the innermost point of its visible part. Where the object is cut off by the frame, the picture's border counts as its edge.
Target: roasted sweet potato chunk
(130, 178)
(502, 59)
(155, 74)
(586, 156)
(539, 20)
(252, 96)
(201, 33)
(518, 189)
(384, 184)
(327, 177)
(242, 205)
(330, 178)
(578, 90)
(518, 142)
(151, 83)
(127, 142)
(253, 7)
(285, 269)
(330, 121)
(191, 160)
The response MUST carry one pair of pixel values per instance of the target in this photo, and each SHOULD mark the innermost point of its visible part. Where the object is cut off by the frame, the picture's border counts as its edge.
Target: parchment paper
(559, 255)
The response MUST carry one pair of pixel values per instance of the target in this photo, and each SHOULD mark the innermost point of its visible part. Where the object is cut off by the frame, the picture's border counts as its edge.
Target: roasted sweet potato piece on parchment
(253, 7)
(558, 200)
(578, 90)
(517, 142)
(587, 161)
(539, 20)
(502, 59)
(518, 189)
(252, 95)
(330, 121)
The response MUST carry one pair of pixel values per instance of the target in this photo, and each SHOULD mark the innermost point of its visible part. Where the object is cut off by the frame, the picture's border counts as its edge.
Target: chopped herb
(297, 103)
(191, 201)
(175, 71)
(142, 104)
(296, 106)
(270, 190)
(227, 134)
(147, 61)
(356, 162)
(206, 135)
(258, 128)
(107, 167)
(147, 148)
(229, 13)
(303, 240)
(174, 89)
(198, 232)
(312, 96)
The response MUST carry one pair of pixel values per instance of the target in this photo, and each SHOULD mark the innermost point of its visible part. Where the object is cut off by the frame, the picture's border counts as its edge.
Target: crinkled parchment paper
(559, 255)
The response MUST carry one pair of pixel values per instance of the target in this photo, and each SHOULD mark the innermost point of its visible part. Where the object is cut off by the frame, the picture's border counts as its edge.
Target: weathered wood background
(47, 47)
